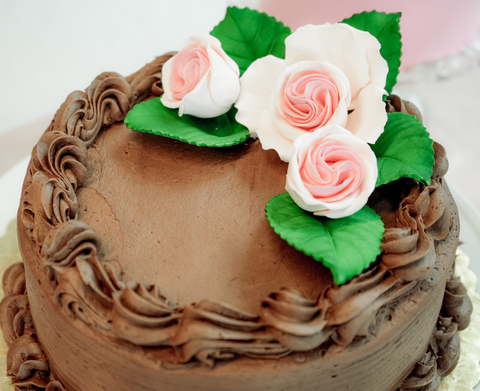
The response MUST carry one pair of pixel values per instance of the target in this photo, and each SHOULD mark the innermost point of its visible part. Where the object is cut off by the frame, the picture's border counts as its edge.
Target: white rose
(200, 80)
(332, 74)
(332, 172)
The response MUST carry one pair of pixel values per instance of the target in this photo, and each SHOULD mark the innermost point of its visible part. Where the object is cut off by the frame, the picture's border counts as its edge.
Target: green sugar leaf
(247, 35)
(404, 149)
(386, 28)
(153, 117)
(346, 246)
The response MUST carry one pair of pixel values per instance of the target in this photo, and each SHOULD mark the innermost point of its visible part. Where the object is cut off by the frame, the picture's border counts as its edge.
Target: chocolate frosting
(395, 104)
(26, 362)
(91, 286)
(444, 348)
(107, 100)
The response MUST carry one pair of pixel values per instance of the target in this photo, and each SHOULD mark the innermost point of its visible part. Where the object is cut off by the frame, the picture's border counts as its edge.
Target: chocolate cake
(149, 265)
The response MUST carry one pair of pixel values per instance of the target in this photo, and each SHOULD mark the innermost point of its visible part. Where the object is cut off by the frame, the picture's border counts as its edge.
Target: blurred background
(50, 48)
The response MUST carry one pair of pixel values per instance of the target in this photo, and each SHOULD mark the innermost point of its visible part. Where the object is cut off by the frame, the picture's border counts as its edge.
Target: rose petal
(331, 171)
(188, 68)
(362, 147)
(340, 117)
(216, 45)
(224, 84)
(368, 182)
(199, 102)
(378, 67)
(368, 120)
(256, 88)
(334, 73)
(360, 200)
(166, 74)
(322, 43)
(271, 138)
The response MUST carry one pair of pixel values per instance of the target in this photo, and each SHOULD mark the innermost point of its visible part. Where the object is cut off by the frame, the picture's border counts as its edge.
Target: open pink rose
(200, 80)
(309, 100)
(332, 172)
(329, 71)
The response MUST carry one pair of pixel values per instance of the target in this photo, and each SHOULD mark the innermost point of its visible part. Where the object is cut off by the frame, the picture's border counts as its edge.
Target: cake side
(66, 343)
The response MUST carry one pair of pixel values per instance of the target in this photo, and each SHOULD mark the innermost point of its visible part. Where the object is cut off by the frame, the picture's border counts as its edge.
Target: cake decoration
(316, 85)
(404, 150)
(315, 105)
(153, 117)
(200, 80)
(200, 85)
(346, 246)
(248, 35)
(331, 173)
(386, 28)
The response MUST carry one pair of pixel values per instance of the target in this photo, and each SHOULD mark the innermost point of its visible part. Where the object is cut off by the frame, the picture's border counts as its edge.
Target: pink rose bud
(189, 67)
(201, 80)
(332, 172)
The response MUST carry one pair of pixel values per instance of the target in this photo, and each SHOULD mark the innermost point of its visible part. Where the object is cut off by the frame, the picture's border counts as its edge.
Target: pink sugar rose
(200, 80)
(331, 172)
(328, 71)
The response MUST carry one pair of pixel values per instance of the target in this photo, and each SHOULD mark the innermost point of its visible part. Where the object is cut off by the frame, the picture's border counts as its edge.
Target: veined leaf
(153, 117)
(386, 28)
(247, 35)
(404, 149)
(346, 246)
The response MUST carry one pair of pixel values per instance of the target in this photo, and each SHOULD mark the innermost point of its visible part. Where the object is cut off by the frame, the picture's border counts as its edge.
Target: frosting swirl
(106, 101)
(444, 348)
(26, 362)
(395, 104)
